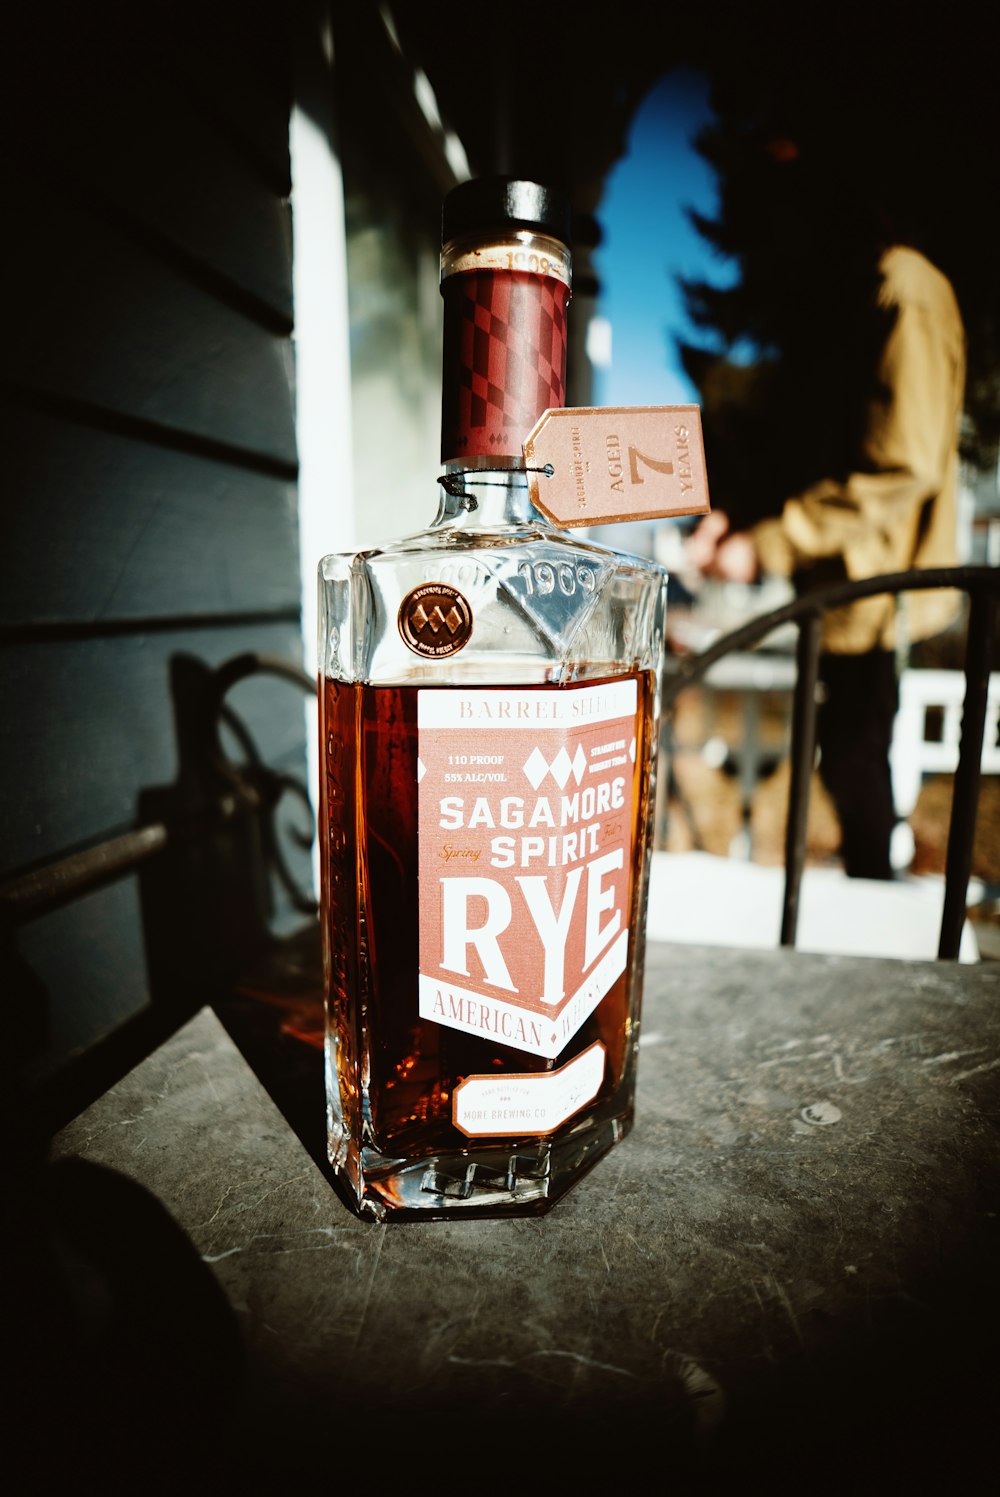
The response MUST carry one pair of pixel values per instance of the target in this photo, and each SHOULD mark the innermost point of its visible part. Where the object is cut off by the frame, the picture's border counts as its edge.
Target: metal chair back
(981, 585)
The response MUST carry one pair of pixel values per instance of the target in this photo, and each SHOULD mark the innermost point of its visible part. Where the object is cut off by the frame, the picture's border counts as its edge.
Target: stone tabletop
(788, 1267)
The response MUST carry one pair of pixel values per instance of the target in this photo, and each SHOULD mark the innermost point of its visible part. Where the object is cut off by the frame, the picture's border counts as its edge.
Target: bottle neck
(487, 499)
(505, 303)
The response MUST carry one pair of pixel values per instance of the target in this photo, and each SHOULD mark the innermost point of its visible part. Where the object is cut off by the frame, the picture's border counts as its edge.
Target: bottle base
(516, 1179)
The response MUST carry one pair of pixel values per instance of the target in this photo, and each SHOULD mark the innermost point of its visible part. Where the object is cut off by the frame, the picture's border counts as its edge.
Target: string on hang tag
(453, 483)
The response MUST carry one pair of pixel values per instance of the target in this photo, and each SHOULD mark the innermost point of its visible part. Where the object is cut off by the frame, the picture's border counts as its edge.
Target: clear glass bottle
(489, 713)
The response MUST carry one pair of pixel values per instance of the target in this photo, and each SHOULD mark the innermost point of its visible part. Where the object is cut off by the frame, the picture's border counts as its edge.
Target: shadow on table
(124, 1360)
(274, 1015)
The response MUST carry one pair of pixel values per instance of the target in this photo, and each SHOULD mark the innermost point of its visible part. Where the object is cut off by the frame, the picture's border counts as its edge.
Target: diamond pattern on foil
(631, 750)
(509, 354)
(579, 764)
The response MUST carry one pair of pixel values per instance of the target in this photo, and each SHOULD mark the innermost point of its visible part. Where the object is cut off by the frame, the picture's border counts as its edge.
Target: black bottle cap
(492, 204)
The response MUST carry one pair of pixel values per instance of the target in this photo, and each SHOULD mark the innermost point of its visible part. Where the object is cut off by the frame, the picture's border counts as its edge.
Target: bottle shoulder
(496, 543)
(522, 605)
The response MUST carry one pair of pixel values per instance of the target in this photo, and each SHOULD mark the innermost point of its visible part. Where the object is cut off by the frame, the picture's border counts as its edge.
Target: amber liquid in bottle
(501, 992)
(372, 936)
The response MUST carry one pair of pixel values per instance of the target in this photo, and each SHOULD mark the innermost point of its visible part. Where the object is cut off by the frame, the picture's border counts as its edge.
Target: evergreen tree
(829, 139)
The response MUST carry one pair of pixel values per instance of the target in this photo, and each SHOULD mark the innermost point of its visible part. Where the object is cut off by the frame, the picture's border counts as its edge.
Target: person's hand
(714, 550)
(701, 545)
(736, 559)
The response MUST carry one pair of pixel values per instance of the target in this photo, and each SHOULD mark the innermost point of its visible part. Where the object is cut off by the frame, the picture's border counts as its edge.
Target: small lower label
(525, 1103)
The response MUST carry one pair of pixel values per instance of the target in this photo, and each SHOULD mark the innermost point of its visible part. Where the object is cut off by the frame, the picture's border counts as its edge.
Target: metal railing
(981, 585)
(250, 789)
(207, 852)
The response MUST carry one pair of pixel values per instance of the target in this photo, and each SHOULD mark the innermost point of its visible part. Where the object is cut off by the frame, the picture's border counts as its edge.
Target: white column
(321, 337)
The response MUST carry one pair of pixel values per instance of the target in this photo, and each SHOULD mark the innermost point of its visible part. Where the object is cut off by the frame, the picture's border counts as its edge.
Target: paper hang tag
(601, 465)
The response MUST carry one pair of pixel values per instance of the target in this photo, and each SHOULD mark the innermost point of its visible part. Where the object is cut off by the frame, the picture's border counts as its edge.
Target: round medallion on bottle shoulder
(435, 620)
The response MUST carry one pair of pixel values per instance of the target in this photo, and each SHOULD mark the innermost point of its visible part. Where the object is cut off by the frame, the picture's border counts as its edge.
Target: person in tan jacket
(894, 509)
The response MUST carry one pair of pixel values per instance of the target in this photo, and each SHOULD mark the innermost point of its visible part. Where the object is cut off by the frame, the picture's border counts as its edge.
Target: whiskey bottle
(489, 710)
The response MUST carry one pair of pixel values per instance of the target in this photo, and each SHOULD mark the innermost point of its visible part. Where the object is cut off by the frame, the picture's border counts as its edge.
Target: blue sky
(648, 241)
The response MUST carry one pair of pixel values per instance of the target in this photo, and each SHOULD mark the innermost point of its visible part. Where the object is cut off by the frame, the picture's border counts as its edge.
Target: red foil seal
(504, 361)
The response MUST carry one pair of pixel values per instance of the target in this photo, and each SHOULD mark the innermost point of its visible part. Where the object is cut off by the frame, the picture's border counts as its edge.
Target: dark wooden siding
(149, 525)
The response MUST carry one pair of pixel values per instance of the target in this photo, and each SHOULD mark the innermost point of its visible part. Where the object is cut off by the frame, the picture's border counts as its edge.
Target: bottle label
(504, 360)
(526, 813)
